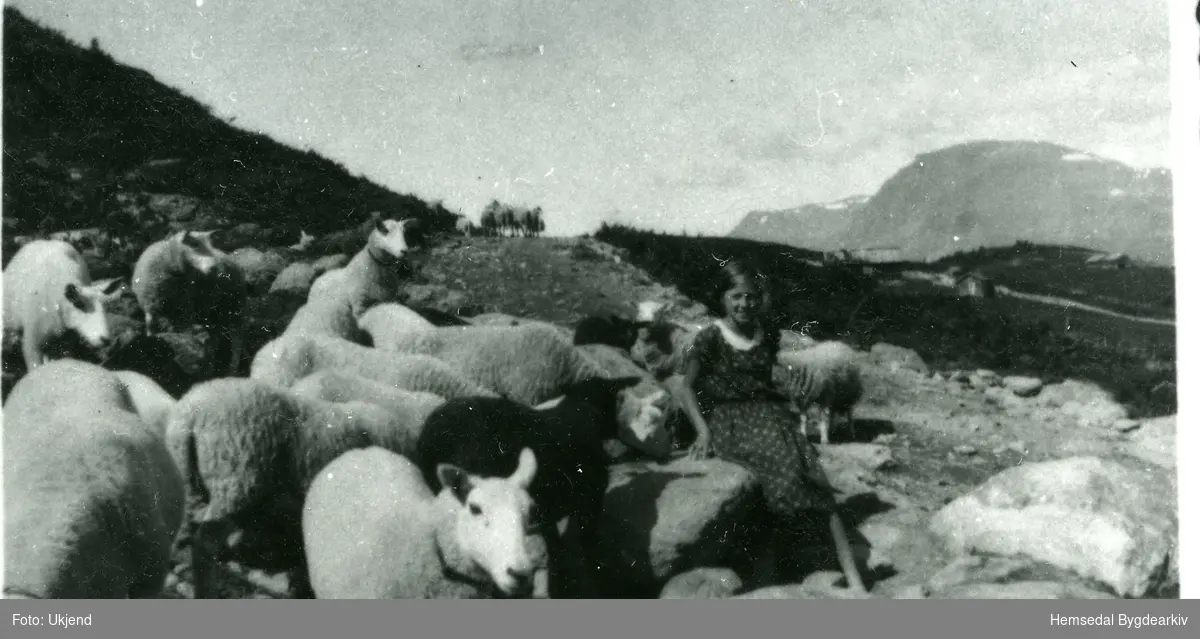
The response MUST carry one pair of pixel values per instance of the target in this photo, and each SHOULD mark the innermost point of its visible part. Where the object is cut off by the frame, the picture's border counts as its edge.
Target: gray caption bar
(685, 619)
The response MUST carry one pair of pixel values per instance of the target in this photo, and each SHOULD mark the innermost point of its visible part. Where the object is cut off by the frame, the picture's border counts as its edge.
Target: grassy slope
(70, 108)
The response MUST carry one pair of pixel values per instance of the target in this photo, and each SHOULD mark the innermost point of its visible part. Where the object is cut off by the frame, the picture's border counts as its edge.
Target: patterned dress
(752, 424)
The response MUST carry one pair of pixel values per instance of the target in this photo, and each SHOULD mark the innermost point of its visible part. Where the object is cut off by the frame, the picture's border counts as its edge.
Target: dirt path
(1059, 301)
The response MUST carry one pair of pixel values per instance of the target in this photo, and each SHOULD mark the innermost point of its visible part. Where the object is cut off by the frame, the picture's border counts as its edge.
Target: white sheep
(186, 281)
(288, 358)
(529, 363)
(340, 296)
(373, 529)
(93, 499)
(150, 400)
(48, 293)
(306, 241)
(255, 443)
(392, 316)
(826, 376)
(342, 387)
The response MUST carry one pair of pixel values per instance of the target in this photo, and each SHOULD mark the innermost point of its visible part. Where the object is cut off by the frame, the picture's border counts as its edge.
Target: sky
(672, 115)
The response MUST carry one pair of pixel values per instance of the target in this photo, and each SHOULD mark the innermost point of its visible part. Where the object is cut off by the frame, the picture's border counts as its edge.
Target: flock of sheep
(398, 457)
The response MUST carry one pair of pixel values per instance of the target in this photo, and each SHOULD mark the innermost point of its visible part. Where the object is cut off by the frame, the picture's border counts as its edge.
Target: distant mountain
(81, 129)
(819, 227)
(992, 193)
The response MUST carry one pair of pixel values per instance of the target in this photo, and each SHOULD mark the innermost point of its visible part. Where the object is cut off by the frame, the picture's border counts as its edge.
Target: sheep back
(93, 499)
(256, 443)
(613, 361)
(530, 363)
(287, 359)
(827, 375)
(391, 317)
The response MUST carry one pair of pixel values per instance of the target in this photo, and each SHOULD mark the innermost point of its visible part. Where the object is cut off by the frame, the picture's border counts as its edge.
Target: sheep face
(642, 414)
(198, 250)
(392, 242)
(83, 311)
(493, 522)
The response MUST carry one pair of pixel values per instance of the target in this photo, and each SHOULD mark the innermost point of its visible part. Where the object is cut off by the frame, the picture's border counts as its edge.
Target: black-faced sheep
(49, 293)
(530, 363)
(825, 376)
(484, 435)
(610, 330)
(340, 296)
(287, 359)
(186, 281)
(93, 499)
(373, 529)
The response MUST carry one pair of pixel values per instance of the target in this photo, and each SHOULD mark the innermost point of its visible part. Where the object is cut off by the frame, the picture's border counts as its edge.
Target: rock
(983, 378)
(297, 277)
(896, 358)
(662, 519)
(260, 268)
(1086, 402)
(1022, 386)
(872, 457)
(819, 585)
(1126, 425)
(702, 583)
(330, 262)
(1021, 590)
(1105, 519)
(973, 569)
(965, 450)
(1155, 442)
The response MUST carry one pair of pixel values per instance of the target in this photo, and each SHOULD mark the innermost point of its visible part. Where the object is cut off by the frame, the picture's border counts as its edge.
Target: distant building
(975, 285)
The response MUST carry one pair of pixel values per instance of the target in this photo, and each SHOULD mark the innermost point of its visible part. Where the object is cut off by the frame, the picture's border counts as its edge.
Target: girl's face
(743, 302)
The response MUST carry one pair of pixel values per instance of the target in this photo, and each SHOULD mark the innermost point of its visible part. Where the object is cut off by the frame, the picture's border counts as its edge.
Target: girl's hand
(701, 448)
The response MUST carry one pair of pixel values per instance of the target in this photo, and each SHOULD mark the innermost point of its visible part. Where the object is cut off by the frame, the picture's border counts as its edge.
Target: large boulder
(1113, 520)
(896, 358)
(1154, 442)
(702, 583)
(663, 519)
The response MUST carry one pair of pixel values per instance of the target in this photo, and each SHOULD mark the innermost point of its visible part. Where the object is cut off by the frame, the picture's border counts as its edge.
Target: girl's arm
(684, 391)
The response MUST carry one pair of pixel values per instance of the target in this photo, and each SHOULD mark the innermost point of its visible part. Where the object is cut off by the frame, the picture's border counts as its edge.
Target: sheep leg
(31, 350)
(824, 424)
(149, 324)
(803, 424)
(850, 424)
(236, 345)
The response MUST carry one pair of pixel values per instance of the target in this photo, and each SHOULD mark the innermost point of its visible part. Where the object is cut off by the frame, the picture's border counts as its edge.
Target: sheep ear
(74, 296)
(456, 479)
(109, 287)
(526, 469)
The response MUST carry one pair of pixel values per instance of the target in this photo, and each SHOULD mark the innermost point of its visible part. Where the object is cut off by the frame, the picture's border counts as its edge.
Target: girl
(738, 415)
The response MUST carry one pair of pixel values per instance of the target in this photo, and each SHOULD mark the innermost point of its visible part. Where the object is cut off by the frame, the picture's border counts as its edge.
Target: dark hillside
(79, 128)
(1000, 335)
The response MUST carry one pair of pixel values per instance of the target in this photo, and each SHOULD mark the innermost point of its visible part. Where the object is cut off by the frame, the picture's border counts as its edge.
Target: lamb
(392, 316)
(49, 295)
(288, 358)
(826, 376)
(184, 280)
(93, 499)
(530, 363)
(340, 296)
(483, 435)
(373, 529)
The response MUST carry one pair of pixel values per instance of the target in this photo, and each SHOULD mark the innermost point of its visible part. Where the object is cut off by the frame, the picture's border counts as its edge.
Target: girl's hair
(731, 273)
